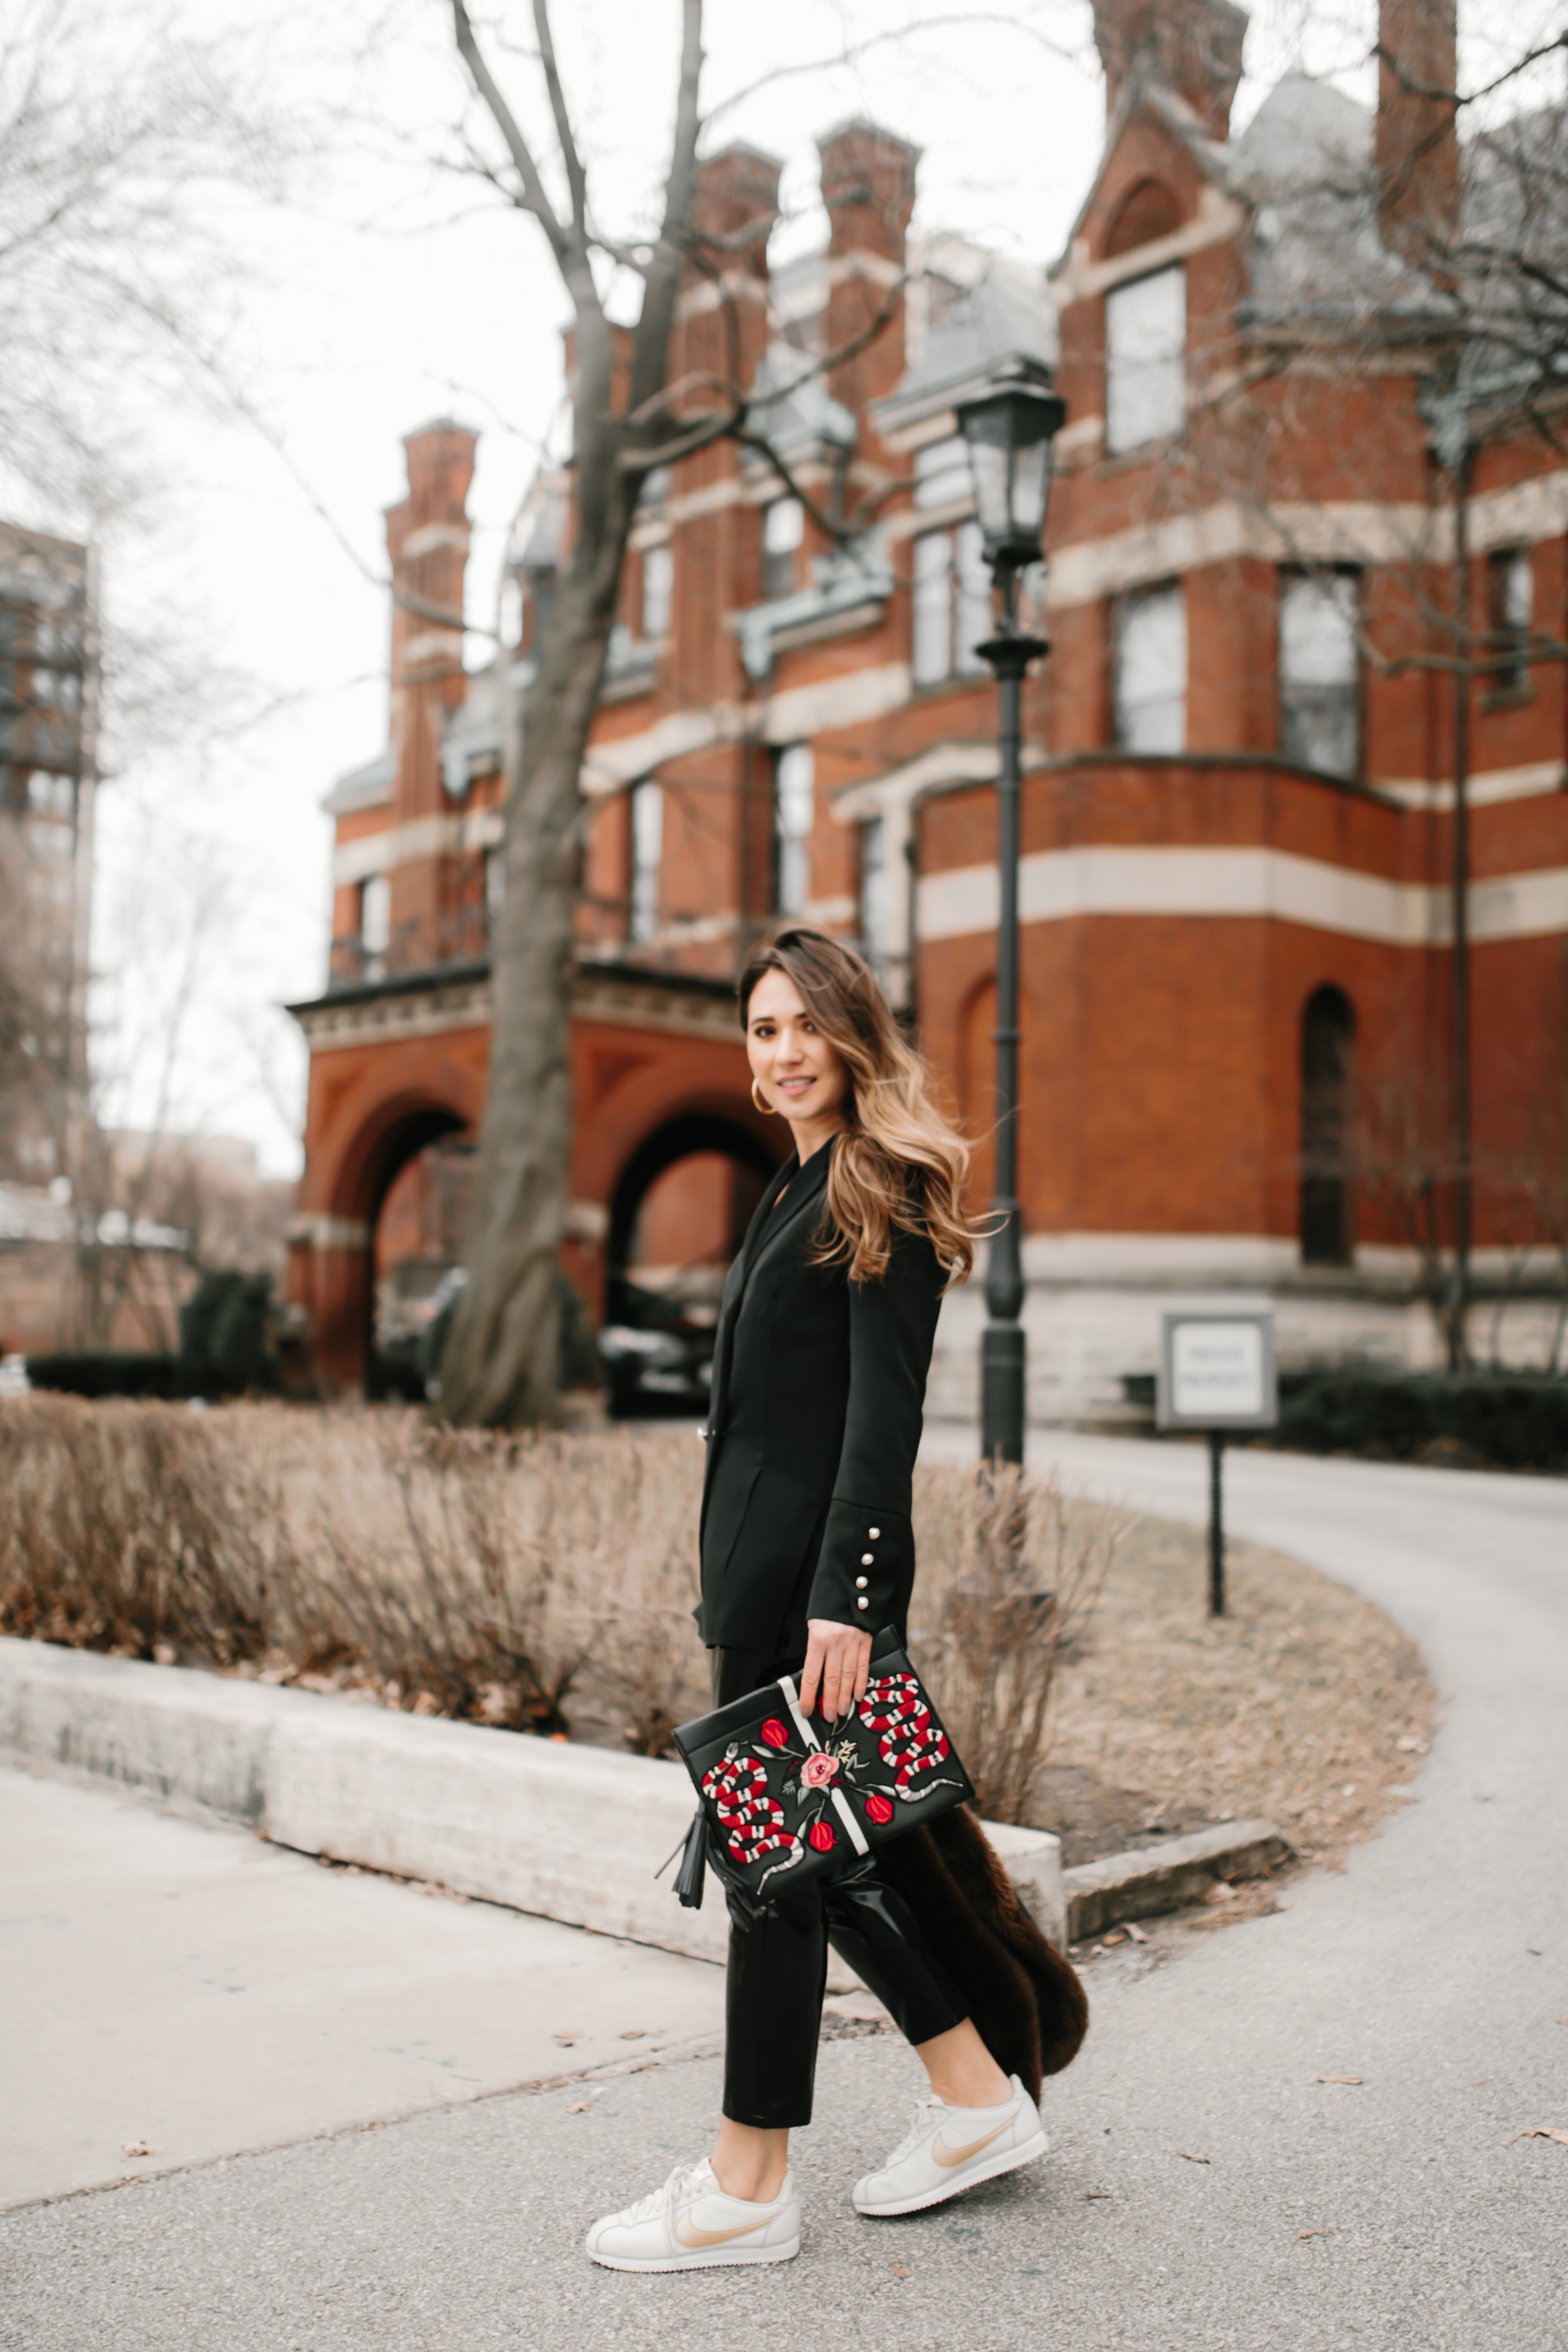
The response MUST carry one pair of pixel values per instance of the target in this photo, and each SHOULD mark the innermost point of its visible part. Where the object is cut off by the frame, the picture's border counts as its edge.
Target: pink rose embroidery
(819, 1770)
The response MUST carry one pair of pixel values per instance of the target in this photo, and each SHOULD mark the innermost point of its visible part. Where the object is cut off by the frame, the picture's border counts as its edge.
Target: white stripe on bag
(857, 1835)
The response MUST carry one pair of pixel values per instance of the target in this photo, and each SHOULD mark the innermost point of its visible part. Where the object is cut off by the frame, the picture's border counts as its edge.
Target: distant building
(48, 719)
(1236, 958)
(48, 729)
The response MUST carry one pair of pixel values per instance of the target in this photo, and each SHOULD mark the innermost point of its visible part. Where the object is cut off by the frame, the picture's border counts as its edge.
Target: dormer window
(1145, 360)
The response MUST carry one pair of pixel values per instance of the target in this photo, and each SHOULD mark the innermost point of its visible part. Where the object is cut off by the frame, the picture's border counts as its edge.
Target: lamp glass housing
(1008, 432)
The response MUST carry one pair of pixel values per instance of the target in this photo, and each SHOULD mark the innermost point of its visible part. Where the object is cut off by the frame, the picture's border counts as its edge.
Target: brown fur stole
(1025, 1998)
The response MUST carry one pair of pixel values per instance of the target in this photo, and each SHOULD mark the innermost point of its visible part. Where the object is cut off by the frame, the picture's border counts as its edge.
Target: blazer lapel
(805, 1189)
(735, 1289)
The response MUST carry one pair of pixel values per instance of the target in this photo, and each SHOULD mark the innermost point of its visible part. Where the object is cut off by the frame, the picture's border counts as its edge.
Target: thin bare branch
(535, 198)
(1416, 88)
(663, 273)
(854, 51)
(570, 154)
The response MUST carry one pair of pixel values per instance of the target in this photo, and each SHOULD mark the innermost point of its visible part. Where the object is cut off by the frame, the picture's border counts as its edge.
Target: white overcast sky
(390, 293)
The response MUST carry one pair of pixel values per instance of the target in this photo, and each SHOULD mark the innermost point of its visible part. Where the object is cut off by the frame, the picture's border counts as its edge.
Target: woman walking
(821, 1358)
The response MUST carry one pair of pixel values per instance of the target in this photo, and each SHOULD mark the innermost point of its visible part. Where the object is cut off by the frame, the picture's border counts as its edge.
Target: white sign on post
(1216, 1372)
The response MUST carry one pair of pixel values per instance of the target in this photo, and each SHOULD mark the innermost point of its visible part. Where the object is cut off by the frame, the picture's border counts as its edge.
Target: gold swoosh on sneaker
(690, 2235)
(947, 2157)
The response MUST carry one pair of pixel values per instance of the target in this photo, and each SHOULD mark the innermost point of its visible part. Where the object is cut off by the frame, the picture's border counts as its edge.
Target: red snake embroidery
(752, 1821)
(910, 1742)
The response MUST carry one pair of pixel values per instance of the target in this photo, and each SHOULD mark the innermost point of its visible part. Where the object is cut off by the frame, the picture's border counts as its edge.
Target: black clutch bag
(785, 1799)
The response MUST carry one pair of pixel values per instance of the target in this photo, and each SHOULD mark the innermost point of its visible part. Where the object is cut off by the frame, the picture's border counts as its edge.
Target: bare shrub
(461, 1572)
(441, 1608)
(116, 1535)
(1009, 1575)
(448, 1573)
(653, 1669)
(528, 1582)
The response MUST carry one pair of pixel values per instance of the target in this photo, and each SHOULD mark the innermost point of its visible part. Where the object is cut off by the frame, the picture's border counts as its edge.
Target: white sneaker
(690, 2225)
(947, 2149)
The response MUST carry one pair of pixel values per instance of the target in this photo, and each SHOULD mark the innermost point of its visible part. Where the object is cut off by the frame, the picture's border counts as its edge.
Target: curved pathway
(1205, 2189)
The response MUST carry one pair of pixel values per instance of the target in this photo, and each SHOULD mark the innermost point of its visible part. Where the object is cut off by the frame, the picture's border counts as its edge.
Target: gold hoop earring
(767, 1109)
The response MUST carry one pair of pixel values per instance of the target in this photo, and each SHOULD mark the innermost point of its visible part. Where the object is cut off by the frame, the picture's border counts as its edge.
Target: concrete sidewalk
(1208, 2190)
(198, 1992)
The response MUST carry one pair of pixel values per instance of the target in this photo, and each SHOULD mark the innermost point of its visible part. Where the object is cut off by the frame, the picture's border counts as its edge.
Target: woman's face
(797, 1072)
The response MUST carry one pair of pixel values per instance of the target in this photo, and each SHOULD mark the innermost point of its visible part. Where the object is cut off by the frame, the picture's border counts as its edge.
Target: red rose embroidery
(878, 1809)
(774, 1733)
(819, 1837)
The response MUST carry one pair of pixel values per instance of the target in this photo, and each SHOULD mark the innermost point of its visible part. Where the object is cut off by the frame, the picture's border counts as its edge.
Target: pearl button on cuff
(865, 1560)
(862, 1603)
(860, 1584)
(873, 1533)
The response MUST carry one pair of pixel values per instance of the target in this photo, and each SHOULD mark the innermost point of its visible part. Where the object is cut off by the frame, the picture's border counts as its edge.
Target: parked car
(657, 1354)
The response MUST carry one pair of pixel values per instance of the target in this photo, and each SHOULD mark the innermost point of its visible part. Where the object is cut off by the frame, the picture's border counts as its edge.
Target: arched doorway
(417, 1210)
(1326, 1208)
(677, 1216)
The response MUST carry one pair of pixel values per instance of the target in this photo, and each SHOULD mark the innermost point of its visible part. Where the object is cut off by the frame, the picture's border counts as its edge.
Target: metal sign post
(1216, 1374)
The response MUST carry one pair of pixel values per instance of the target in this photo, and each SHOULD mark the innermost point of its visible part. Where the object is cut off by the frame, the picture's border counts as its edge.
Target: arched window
(1328, 1051)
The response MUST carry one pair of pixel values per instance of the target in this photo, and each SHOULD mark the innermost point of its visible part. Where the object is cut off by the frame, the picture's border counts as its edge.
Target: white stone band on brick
(1054, 886)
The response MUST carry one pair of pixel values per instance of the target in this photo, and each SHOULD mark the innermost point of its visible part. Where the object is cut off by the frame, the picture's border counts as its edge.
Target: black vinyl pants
(778, 1959)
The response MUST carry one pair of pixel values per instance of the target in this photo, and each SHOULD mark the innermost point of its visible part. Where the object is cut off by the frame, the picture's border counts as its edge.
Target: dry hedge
(539, 1583)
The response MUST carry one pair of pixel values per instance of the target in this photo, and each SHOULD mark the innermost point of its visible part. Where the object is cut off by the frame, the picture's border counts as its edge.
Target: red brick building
(1238, 807)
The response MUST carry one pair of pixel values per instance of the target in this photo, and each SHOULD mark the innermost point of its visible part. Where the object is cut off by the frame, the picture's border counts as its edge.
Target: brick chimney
(1417, 140)
(1192, 47)
(738, 189)
(868, 187)
(427, 542)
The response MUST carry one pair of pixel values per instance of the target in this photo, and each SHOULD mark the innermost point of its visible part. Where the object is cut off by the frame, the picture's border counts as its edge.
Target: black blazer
(818, 1385)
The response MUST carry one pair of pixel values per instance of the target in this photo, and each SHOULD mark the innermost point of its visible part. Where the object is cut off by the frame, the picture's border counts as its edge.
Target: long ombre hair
(897, 1162)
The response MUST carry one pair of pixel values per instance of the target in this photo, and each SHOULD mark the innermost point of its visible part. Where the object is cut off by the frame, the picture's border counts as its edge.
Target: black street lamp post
(1009, 428)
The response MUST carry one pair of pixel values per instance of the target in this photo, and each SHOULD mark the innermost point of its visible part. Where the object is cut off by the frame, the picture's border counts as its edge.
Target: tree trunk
(502, 1362)
(501, 1366)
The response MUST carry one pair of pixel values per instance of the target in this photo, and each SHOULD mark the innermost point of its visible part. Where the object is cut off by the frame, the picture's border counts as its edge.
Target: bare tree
(120, 129)
(628, 418)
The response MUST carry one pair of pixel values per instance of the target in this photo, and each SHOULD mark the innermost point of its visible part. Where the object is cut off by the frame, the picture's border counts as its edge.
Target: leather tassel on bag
(690, 1877)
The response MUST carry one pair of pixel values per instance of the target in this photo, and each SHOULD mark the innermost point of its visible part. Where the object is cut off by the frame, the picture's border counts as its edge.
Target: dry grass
(546, 1585)
(1303, 1703)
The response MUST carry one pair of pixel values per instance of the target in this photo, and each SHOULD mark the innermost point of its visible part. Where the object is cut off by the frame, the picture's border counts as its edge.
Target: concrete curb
(569, 1832)
(1153, 1879)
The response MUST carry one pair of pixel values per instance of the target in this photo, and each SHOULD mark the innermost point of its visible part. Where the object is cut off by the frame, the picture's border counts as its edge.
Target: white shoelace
(928, 2113)
(665, 2198)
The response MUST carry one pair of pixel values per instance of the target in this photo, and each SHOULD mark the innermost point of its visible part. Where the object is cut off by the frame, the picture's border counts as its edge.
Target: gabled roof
(1215, 160)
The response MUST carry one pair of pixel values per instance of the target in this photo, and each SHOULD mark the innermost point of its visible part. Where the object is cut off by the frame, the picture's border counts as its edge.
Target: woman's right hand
(838, 1660)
